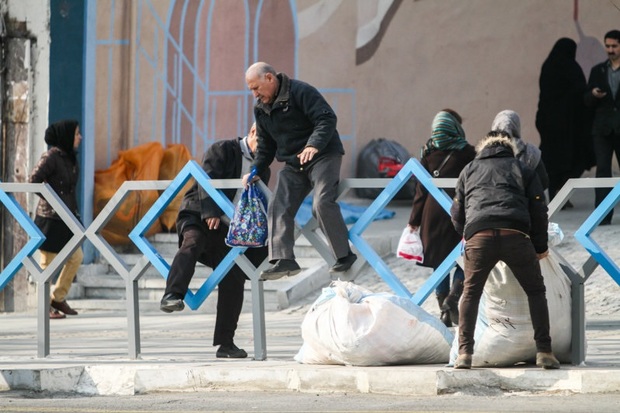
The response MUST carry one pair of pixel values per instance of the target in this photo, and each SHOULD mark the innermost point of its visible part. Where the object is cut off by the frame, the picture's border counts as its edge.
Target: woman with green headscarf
(444, 155)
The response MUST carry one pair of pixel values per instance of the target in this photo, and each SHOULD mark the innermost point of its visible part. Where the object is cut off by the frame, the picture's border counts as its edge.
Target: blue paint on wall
(66, 59)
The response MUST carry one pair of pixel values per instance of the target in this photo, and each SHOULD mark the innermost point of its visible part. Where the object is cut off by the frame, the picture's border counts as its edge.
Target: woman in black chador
(562, 118)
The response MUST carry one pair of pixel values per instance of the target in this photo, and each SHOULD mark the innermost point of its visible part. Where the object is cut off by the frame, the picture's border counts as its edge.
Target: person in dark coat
(562, 118)
(500, 210)
(603, 95)
(297, 126)
(444, 156)
(202, 228)
(59, 168)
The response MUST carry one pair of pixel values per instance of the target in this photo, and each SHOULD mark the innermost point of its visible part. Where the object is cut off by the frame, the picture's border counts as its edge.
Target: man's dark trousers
(604, 148)
(294, 184)
(482, 252)
(206, 246)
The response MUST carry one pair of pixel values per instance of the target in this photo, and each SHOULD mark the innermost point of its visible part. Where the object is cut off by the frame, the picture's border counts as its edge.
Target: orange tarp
(147, 162)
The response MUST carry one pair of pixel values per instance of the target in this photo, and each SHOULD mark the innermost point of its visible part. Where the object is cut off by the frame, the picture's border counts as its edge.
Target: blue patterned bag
(248, 227)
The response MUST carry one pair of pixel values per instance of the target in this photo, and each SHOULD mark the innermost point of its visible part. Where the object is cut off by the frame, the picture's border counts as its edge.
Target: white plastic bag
(555, 234)
(350, 325)
(410, 245)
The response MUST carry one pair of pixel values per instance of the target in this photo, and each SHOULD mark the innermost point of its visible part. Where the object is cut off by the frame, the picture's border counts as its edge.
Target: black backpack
(383, 158)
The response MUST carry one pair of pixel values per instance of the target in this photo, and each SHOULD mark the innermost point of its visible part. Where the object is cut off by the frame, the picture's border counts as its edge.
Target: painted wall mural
(172, 71)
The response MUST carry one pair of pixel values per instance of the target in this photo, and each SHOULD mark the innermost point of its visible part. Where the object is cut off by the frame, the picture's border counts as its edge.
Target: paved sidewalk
(89, 355)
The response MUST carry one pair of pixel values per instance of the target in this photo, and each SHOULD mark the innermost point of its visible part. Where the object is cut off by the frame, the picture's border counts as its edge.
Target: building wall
(476, 56)
(36, 15)
(391, 65)
(25, 84)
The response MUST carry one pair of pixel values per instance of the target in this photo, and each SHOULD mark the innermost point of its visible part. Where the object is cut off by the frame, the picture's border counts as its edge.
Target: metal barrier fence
(192, 169)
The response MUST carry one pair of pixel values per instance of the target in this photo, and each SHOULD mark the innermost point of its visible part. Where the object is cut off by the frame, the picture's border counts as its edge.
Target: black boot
(445, 315)
(451, 303)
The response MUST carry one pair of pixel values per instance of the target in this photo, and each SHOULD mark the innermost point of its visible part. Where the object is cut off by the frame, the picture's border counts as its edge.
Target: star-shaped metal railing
(191, 170)
(235, 256)
(584, 234)
(42, 277)
(36, 237)
(411, 168)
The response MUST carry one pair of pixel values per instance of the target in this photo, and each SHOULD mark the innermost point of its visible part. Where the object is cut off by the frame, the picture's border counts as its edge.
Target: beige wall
(475, 56)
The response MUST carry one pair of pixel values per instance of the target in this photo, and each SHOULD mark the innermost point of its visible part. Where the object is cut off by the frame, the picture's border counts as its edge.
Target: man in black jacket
(202, 230)
(500, 210)
(297, 126)
(603, 96)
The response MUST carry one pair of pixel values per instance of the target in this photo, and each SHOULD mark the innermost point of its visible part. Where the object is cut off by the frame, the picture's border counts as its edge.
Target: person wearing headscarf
(562, 118)
(444, 155)
(59, 168)
(508, 121)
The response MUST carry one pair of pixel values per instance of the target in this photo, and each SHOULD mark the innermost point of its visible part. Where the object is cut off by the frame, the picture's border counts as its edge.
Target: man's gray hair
(260, 69)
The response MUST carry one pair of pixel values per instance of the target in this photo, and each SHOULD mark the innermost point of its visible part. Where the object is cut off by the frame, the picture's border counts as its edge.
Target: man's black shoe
(280, 269)
(230, 352)
(344, 263)
(171, 302)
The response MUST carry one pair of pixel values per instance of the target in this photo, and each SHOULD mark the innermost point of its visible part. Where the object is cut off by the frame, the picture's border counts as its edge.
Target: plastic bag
(350, 325)
(555, 234)
(410, 245)
(248, 227)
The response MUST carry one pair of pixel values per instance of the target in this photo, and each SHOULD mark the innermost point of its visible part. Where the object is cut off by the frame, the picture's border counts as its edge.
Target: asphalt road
(220, 401)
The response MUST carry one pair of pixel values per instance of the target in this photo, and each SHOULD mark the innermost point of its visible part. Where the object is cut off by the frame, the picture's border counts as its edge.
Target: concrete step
(99, 287)
(107, 291)
(167, 245)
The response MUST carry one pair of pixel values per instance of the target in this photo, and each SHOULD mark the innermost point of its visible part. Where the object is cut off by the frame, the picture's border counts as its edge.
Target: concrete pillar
(16, 107)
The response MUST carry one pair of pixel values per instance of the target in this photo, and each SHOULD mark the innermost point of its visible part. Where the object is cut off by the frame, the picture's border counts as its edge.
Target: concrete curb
(130, 379)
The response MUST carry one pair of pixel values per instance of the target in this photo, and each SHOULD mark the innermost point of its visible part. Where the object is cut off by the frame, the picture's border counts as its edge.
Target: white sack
(504, 333)
(350, 325)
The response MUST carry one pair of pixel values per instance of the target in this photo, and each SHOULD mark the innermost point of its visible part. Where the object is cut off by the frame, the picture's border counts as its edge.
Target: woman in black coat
(59, 168)
(562, 118)
(444, 155)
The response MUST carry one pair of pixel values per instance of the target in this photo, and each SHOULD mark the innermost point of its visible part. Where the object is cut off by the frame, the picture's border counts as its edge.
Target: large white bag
(350, 325)
(504, 333)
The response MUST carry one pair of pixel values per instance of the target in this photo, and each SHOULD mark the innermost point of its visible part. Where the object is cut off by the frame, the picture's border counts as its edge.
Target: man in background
(602, 95)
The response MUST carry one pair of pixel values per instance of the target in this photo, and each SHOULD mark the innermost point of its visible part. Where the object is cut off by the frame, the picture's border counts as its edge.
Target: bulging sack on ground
(350, 325)
(504, 334)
